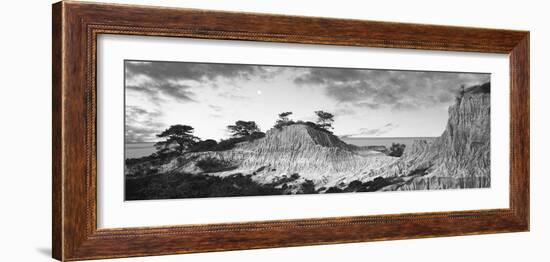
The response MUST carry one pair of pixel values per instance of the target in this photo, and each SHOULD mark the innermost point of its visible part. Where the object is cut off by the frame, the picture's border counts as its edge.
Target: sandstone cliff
(296, 149)
(459, 158)
(299, 153)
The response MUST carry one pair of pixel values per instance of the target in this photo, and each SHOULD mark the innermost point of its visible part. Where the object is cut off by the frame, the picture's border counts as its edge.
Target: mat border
(75, 28)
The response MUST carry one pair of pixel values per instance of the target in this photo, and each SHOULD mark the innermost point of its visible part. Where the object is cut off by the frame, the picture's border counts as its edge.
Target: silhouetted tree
(283, 119)
(284, 116)
(243, 128)
(182, 135)
(324, 119)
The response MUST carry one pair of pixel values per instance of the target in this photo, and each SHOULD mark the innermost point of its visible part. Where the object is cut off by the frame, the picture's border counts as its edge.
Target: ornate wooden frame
(76, 26)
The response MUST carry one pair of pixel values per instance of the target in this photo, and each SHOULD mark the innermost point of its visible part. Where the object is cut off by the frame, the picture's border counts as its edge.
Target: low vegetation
(213, 165)
(358, 186)
(178, 185)
(145, 182)
(182, 185)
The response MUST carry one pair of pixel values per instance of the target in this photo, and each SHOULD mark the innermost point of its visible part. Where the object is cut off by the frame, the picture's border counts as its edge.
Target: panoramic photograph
(198, 130)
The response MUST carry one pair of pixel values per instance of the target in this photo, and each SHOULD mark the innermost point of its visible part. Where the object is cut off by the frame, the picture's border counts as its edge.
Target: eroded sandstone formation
(459, 158)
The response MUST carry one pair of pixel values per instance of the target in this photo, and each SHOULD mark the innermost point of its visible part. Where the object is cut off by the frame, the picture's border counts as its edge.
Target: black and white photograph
(275, 131)
(196, 130)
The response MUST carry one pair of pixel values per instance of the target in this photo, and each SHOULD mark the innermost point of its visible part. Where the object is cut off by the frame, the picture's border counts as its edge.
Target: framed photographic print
(182, 130)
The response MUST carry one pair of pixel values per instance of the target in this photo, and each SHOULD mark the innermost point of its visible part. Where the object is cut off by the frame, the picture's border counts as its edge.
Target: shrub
(308, 187)
(396, 150)
(354, 186)
(202, 146)
(227, 144)
(377, 184)
(284, 179)
(211, 165)
(419, 171)
(334, 190)
(256, 135)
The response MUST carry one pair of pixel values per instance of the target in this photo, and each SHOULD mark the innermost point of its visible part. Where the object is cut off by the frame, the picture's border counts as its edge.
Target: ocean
(383, 141)
(135, 150)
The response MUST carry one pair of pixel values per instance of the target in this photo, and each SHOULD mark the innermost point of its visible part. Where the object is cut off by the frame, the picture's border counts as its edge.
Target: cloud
(374, 131)
(344, 111)
(216, 115)
(215, 108)
(232, 96)
(368, 105)
(397, 90)
(141, 125)
(159, 91)
(159, 81)
(199, 72)
(328, 75)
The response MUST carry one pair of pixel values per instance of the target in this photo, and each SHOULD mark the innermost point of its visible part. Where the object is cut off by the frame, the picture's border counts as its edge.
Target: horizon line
(381, 137)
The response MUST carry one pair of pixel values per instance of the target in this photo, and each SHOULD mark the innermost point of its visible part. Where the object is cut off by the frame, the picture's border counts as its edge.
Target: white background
(25, 106)
(114, 212)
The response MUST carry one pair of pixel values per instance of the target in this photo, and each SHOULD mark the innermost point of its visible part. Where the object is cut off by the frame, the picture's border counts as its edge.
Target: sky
(210, 96)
